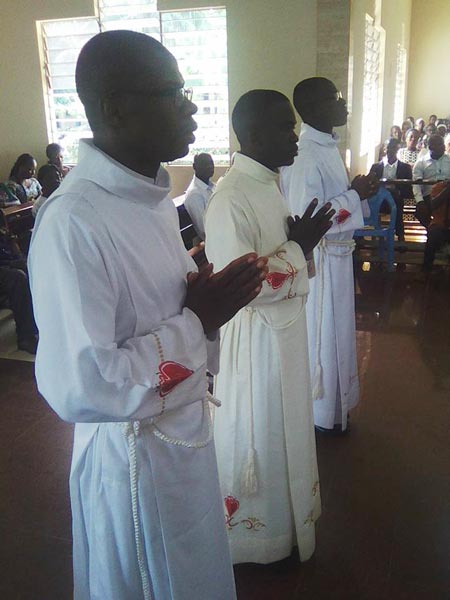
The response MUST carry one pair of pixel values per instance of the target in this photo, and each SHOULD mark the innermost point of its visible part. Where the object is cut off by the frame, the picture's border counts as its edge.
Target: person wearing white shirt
(390, 167)
(50, 179)
(435, 164)
(128, 329)
(200, 191)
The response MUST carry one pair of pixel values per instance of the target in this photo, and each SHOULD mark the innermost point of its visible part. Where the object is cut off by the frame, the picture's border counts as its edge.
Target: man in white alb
(318, 172)
(127, 330)
(264, 432)
(199, 191)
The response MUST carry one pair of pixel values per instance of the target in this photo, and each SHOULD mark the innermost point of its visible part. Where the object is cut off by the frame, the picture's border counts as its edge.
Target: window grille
(400, 86)
(197, 39)
(372, 90)
(66, 120)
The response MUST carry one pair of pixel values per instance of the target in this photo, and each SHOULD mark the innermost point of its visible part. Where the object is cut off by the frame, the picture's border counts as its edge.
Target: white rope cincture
(324, 248)
(185, 443)
(131, 431)
(249, 478)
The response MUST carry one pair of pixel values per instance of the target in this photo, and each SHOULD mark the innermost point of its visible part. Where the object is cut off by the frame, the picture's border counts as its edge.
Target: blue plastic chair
(385, 234)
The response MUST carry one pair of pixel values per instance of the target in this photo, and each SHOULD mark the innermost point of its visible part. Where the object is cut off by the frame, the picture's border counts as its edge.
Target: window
(400, 86)
(197, 39)
(66, 120)
(373, 82)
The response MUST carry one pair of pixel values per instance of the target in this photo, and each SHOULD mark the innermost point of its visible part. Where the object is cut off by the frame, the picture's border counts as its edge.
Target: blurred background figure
(200, 191)
(22, 182)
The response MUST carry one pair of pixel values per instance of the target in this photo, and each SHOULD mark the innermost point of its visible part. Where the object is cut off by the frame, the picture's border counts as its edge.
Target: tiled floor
(385, 529)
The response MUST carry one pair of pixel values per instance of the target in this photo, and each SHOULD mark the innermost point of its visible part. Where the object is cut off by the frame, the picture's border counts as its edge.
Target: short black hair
(306, 93)
(45, 171)
(52, 149)
(250, 111)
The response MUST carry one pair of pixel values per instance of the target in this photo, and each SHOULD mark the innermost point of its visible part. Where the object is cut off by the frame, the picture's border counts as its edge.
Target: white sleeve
(83, 373)
(229, 234)
(195, 206)
(418, 174)
(305, 183)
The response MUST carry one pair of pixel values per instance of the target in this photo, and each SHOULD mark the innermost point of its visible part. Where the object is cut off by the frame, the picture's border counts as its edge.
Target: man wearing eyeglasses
(318, 172)
(128, 330)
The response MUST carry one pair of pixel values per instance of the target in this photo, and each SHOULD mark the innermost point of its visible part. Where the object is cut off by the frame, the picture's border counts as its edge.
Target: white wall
(429, 77)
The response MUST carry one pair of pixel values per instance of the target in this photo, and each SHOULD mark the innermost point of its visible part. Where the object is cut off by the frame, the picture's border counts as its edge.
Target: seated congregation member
(434, 165)
(438, 230)
(50, 179)
(319, 172)
(441, 129)
(199, 191)
(406, 126)
(410, 153)
(390, 167)
(265, 433)
(22, 181)
(15, 288)
(55, 157)
(396, 133)
(447, 143)
(420, 126)
(432, 120)
(128, 330)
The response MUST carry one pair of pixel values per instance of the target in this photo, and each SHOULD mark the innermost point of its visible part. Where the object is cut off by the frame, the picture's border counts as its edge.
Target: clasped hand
(216, 297)
(308, 230)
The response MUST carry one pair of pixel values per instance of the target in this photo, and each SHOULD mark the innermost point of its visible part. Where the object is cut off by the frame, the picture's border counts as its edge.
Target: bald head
(133, 96)
(319, 103)
(250, 113)
(116, 61)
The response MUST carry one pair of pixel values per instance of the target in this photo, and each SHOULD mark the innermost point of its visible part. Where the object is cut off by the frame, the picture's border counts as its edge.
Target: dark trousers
(14, 285)
(437, 236)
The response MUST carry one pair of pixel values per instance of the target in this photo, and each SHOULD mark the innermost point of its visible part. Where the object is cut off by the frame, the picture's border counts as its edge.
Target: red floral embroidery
(232, 505)
(342, 216)
(276, 280)
(170, 375)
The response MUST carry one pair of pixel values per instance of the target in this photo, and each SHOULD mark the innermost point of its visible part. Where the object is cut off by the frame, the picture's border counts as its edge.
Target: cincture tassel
(249, 480)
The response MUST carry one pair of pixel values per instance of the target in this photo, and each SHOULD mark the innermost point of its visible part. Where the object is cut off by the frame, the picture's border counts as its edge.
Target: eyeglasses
(179, 95)
(337, 96)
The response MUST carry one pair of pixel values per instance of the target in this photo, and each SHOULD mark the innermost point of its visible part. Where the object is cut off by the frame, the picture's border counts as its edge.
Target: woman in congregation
(22, 182)
(410, 153)
(396, 133)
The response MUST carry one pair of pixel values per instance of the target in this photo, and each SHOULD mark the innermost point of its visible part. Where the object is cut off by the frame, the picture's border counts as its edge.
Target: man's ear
(113, 111)
(254, 138)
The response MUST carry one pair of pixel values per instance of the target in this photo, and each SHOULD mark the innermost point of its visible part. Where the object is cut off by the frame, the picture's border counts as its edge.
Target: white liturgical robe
(120, 356)
(264, 432)
(318, 172)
